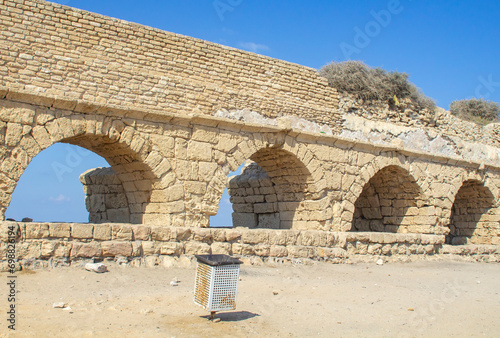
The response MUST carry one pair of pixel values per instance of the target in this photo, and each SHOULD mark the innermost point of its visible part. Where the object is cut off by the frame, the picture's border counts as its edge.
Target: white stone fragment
(96, 267)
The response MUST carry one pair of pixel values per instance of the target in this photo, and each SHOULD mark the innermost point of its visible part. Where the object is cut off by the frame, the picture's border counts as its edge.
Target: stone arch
(281, 185)
(475, 216)
(392, 201)
(134, 160)
(271, 190)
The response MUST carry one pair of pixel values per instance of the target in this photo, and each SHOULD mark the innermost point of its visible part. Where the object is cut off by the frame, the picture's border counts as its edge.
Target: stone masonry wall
(174, 171)
(62, 243)
(60, 52)
(254, 199)
(105, 196)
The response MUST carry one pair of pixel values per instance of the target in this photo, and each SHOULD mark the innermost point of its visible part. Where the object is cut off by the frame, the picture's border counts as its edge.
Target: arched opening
(473, 218)
(269, 192)
(49, 190)
(121, 193)
(130, 161)
(223, 218)
(391, 201)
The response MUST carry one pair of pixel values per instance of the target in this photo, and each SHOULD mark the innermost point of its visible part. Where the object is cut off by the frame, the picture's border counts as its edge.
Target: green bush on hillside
(356, 78)
(476, 110)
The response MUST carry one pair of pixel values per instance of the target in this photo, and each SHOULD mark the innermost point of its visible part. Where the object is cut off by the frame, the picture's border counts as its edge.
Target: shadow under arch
(474, 218)
(391, 201)
(271, 191)
(127, 152)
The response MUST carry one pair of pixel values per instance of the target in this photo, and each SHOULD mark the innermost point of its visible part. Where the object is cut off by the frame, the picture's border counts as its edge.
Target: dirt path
(394, 300)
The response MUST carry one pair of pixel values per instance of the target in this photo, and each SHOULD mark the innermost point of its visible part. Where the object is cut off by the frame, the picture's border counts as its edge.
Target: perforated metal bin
(216, 282)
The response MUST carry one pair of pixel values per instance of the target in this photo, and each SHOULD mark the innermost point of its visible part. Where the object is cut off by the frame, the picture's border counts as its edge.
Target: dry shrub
(476, 110)
(356, 78)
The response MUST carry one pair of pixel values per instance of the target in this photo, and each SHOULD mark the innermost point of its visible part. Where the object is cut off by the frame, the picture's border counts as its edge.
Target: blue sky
(450, 49)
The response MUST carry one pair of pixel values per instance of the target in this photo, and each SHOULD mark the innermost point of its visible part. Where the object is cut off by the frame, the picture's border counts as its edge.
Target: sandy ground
(393, 300)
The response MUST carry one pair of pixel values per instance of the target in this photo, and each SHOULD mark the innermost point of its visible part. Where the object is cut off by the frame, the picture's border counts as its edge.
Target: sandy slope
(393, 300)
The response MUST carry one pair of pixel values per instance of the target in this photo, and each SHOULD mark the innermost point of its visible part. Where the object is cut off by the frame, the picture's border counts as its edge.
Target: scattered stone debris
(174, 283)
(59, 305)
(275, 292)
(380, 261)
(216, 320)
(96, 267)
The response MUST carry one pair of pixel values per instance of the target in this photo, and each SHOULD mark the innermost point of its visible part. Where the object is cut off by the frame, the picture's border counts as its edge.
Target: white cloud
(59, 199)
(253, 47)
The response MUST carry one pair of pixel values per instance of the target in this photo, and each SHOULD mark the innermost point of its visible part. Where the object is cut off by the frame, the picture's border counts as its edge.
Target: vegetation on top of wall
(356, 78)
(476, 110)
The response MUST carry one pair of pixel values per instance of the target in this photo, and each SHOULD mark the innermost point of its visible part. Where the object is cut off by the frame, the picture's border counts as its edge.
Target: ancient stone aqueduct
(326, 178)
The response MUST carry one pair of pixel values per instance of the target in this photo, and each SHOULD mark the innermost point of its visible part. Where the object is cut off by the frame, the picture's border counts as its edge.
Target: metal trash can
(216, 282)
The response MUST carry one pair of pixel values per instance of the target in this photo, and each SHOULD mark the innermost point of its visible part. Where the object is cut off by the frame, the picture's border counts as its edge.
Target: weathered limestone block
(102, 232)
(278, 251)
(121, 215)
(299, 251)
(150, 248)
(29, 250)
(243, 208)
(221, 248)
(202, 235)
(262, 250)
(199, 151)
(55, 249)
(82, 231)
(5, 228)
(36, 230)
(243, 249)
(265, 208)
(121, 232)
(248, 220)
(116, 248)
(136, 249)
(292, 237)
(358, 236)
(85, 250)
(197, 248)
(330, 239)
(152, 261)
(59, 230)
(269, 221)
(278, 237)
(219, 235)
(309, 238)
(374, 249)
(171, 248)
(233, 235)
(181, 234)
(195, 187)
(96, 203)
(362, 248)
(140, 232)
(386, 249)
(160, 233)
(257, 236)
(14, 134)
(377, 237)
(331, 252)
